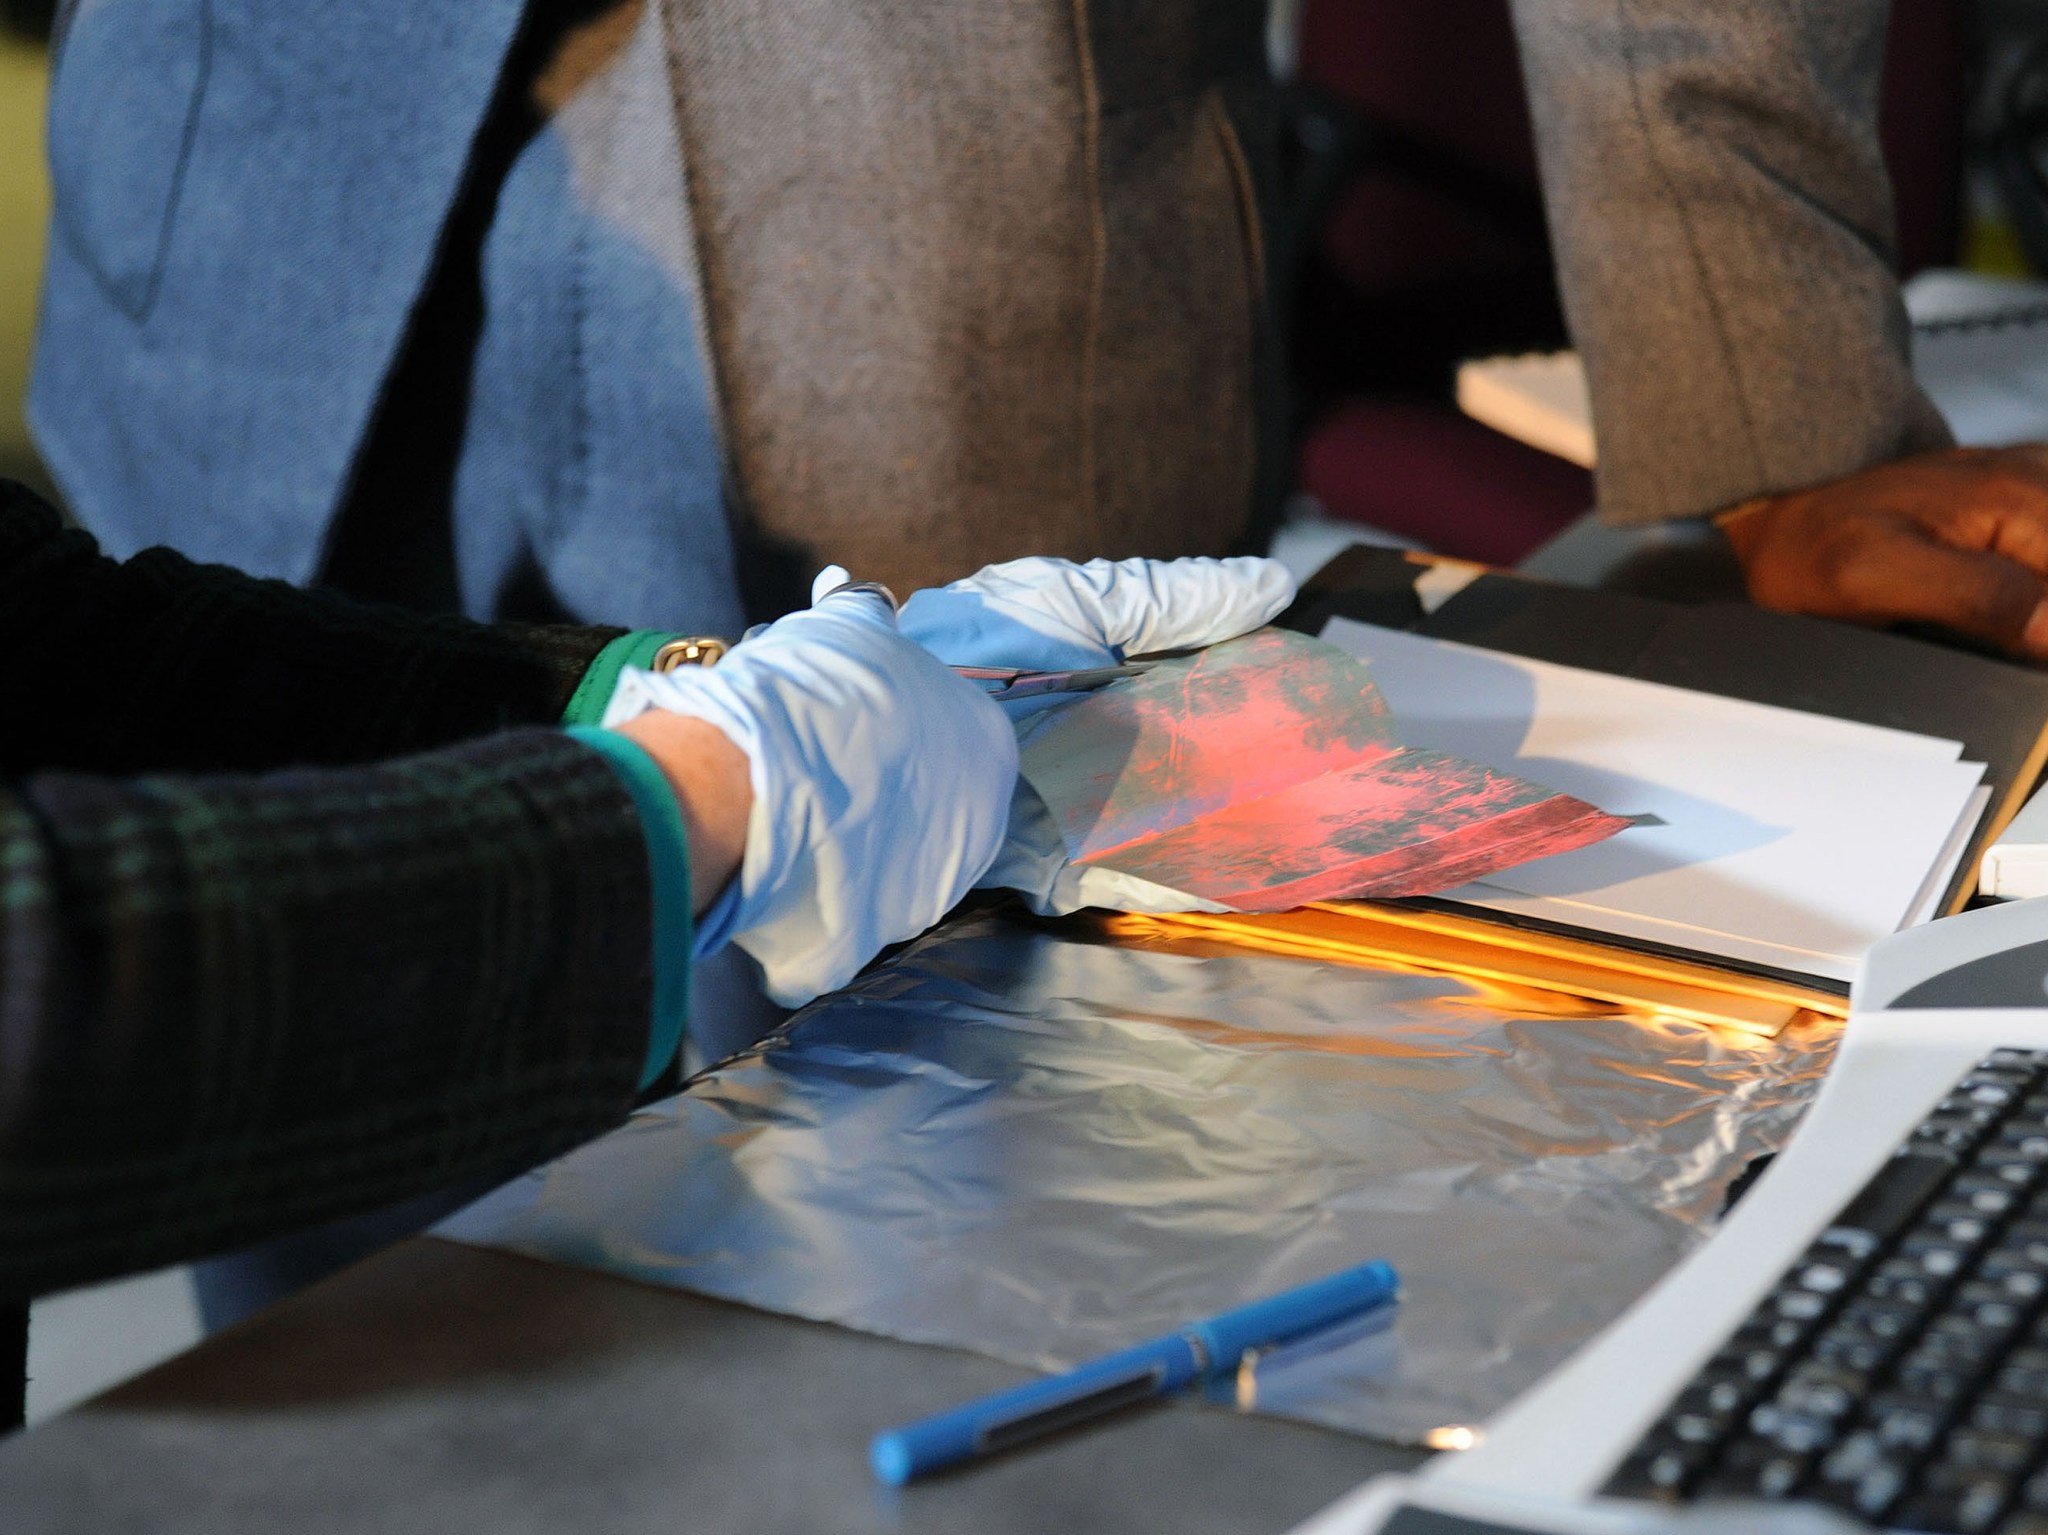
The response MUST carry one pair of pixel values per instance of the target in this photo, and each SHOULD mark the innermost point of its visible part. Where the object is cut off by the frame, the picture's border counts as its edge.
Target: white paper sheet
(1788, 839)
(1928, 903)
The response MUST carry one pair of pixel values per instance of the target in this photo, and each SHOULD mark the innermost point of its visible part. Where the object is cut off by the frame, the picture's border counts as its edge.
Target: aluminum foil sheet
(1039, 1147)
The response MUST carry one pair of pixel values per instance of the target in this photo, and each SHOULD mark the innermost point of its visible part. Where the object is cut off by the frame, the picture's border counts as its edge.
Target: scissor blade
(1079, 680)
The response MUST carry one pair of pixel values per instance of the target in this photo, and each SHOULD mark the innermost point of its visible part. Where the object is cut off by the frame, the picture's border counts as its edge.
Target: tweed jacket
(902, 286)
(301, 913)
(1725, 243)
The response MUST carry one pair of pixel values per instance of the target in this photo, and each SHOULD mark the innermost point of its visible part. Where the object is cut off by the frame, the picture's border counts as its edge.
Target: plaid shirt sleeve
(157, 664)
(235, 1005)
(348, 945)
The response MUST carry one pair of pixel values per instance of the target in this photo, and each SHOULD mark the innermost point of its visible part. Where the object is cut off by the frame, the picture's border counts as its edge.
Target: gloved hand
(1046, 614)
(880, 782)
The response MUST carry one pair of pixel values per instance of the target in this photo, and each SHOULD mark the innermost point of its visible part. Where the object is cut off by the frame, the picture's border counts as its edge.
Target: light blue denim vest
(249, 194)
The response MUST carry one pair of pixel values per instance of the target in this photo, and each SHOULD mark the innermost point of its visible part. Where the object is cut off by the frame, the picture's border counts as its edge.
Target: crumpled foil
(1021, 1142)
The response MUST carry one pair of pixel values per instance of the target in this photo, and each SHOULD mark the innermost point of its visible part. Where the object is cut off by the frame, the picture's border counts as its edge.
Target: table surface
(443, 1388)
(437, 1387)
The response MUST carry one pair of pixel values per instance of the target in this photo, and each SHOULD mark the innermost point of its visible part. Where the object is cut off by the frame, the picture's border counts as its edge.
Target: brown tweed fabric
(237, 1003)
(981, 281)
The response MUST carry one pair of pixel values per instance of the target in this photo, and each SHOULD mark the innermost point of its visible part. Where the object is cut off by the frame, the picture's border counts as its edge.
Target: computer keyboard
(1899, 1368)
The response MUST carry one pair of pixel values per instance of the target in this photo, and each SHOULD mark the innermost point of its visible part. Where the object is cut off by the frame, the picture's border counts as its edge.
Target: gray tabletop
(442, 1388)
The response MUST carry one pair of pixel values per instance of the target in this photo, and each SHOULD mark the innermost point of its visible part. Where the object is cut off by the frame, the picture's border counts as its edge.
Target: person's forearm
(157, 664)
(1723, 226)
(710, 779)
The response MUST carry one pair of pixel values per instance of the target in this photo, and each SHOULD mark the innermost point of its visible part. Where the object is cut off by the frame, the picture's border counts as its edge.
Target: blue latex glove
(1046, 615)
(1049, 615)
(881, 782)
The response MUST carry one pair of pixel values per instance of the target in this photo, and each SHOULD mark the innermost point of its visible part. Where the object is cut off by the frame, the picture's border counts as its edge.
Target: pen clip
(1257, 1364)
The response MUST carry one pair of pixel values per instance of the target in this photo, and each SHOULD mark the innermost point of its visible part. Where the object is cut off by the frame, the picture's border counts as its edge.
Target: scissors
(1004, 683)
(1001, 683)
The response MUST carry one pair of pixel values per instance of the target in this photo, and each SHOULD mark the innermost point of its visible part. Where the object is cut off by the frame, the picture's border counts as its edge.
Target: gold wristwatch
(690, 650)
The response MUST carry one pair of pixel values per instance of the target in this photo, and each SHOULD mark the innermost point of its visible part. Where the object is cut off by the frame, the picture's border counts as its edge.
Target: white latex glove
(880, 780)
(1045, 615)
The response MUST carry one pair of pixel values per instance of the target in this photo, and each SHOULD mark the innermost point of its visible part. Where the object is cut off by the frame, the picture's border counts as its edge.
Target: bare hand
(1957, 538)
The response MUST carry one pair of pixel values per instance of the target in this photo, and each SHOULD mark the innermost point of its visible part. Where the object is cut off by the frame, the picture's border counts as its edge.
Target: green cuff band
(668, 862)
(594, 693)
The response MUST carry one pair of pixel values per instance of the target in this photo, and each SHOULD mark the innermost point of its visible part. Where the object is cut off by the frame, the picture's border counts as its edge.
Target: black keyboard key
(1981, 1449)
(1798, 1433)
(1903, 1280)
(1825, 1276)
(2012, 1412)
(1778, 1475)
(1862, 1475)
(2008, 1261)
(1754, 1363)
(1909, 1423)
(2024, 1285)
(1938, 1258)
(2012, 1080)
(1822, 1391)
(1719, 1394)
(1851, 1348)
(1960, 1105)
(2026, 1139)
(1753, 1468)
(1988, 1090)
(2020, 1378)
(1888, 1202)
(1964, 1226)
(2002, 1317)
(2012, 1168)
(1797, 1305)
(1878, 1490)
(1663, 1469)
(1989, 1196)
(1699, 1427)
(1953, 1136)
(1966, 1503)
(1786, 1333)
(1938, 1381)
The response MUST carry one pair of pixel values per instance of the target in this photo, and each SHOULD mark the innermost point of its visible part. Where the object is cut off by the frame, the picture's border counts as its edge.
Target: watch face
(2013, 978)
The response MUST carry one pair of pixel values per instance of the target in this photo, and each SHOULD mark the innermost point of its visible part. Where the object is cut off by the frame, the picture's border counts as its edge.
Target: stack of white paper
(1980, 350)
(1772, 837)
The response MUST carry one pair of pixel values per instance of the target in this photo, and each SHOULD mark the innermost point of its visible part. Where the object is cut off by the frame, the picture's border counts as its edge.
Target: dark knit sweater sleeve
(234, 1005)
(157, 664)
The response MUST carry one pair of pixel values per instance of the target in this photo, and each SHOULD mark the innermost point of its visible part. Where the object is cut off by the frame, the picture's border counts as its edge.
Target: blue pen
(1151, 1369)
